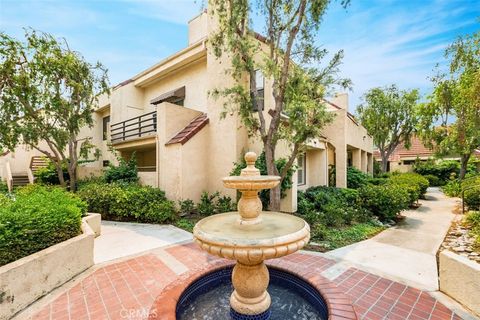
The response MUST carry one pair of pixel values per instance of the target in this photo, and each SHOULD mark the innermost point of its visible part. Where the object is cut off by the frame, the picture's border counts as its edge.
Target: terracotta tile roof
(190, 130)
(417, 148)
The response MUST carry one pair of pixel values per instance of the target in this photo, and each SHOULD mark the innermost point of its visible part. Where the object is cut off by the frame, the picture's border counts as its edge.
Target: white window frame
(302, 169)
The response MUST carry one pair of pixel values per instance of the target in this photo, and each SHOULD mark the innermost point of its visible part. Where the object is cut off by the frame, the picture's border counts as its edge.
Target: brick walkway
(127, 289)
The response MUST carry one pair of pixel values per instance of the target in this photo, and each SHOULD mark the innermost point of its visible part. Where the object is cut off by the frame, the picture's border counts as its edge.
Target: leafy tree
(455, 104)
(48, 92)
(288, 58)
(390, 116)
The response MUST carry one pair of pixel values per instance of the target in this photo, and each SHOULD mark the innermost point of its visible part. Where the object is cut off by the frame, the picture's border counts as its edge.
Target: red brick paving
(127, 289)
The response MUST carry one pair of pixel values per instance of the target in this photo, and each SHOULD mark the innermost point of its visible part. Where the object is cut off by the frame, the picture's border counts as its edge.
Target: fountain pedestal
(250, 237)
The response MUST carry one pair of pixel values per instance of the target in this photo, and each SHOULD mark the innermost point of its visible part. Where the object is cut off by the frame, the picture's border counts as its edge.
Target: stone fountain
(250, 237)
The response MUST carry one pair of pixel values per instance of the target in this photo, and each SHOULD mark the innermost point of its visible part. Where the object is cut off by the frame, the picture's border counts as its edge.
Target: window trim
(105, 127)
(303, 169)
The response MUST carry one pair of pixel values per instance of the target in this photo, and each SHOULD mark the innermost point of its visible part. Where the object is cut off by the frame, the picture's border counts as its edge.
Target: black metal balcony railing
(134, 128)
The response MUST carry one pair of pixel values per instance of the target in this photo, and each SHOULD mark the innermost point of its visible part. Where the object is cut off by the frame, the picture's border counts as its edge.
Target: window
(106, 127)
(106, 163)
(301, 170)
(259, 88)
(408, 162)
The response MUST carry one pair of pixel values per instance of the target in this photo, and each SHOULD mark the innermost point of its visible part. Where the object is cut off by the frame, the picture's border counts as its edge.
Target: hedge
(356, 178)
(127, 202)
(384, 201)
(37, 218)
(412, 179)
(330, 206)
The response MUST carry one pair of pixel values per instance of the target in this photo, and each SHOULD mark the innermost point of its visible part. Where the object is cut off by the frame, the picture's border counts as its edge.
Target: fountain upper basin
(276, 235)
(251, 182)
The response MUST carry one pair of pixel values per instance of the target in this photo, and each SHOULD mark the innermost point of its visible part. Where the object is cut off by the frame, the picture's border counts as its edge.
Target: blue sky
(385, 41)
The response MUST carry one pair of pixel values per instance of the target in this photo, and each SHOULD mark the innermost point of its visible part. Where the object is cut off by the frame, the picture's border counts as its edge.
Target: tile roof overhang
(190, 130)
(178, 93)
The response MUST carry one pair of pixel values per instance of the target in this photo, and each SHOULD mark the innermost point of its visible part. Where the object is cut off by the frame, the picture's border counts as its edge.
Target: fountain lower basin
(292, 298)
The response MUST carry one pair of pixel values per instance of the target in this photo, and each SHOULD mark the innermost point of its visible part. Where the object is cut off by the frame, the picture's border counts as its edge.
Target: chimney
(341, 100)
(197, 28)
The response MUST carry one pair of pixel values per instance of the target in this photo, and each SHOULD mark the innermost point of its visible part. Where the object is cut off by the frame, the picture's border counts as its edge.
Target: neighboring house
(166, 116)
(403, 159)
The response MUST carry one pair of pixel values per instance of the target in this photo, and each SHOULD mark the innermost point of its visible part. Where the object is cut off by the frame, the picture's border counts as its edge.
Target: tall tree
(450, 120)
(48, 92)
(288, 57)
(390, 116)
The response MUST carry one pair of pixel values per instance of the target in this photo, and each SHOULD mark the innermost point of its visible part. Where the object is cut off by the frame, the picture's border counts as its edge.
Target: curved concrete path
(407, 252)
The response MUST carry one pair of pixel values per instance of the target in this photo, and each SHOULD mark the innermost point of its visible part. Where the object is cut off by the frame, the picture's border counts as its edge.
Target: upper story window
(176, 96)
(260, 88)
(106, 127)
(301, 170)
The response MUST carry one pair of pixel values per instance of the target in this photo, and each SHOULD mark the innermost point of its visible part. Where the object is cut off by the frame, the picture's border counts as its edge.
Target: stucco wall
(460, 278)
(27, 279)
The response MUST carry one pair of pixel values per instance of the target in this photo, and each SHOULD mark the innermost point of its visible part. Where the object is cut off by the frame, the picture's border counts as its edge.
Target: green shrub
(214, 203)
(185, 224)
(128, 202)
(473, 220)
(4, 199)
(412, 179)
(3, 187)
(126, 171)
(434, 181)
(186, 206)
(471, 189)
(330, 206)
(453, 188)
(442, 169)
(356, 178)
(49, 175)
(378, 181)
(38, 218)
(384, 201)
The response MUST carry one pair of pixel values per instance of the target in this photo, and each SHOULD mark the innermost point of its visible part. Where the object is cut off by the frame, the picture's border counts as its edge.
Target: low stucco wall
(460, 279)
(29, 278)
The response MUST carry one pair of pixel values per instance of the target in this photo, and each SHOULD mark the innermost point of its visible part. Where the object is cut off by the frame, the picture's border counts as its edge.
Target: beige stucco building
(183, 146)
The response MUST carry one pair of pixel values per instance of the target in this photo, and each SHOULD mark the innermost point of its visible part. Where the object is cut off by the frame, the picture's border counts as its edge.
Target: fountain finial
(250, 170)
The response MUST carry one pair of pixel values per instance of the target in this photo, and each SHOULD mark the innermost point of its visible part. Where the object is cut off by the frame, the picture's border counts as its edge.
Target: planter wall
(29, 278)
(460, 279)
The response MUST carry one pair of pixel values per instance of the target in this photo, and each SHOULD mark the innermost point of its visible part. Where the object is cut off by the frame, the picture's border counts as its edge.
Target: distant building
(402, 159)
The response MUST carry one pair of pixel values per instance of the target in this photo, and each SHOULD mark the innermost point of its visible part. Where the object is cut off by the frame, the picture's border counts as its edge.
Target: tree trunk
(58, 166)
(384, 162)
(463, 166)
(274, 204)
(72, 172)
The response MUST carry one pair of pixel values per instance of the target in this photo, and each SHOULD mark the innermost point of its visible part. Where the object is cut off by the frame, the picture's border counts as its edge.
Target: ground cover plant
(37, 217)
(472, 220)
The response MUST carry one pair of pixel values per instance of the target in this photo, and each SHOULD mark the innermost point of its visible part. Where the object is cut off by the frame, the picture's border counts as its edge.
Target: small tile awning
(174, 94)
(190, 130)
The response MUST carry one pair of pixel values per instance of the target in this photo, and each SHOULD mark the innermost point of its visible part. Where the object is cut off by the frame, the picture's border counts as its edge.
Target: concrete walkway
(407, 252)
(121, 239)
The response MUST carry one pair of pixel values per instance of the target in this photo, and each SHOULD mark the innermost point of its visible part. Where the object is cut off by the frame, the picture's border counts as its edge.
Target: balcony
(134, 128)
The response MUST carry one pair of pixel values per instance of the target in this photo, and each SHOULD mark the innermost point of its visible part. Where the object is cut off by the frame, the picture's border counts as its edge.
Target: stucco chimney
(197, 28)
(341, 100)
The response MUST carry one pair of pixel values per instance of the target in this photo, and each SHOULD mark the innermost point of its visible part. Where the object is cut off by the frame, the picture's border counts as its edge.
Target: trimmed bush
(128, 202)
(214, 203)
(384, 201)
(473, 221)
(412, 179)
(434, 181)
(38, 218)
(356, 178)
(330, 206)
